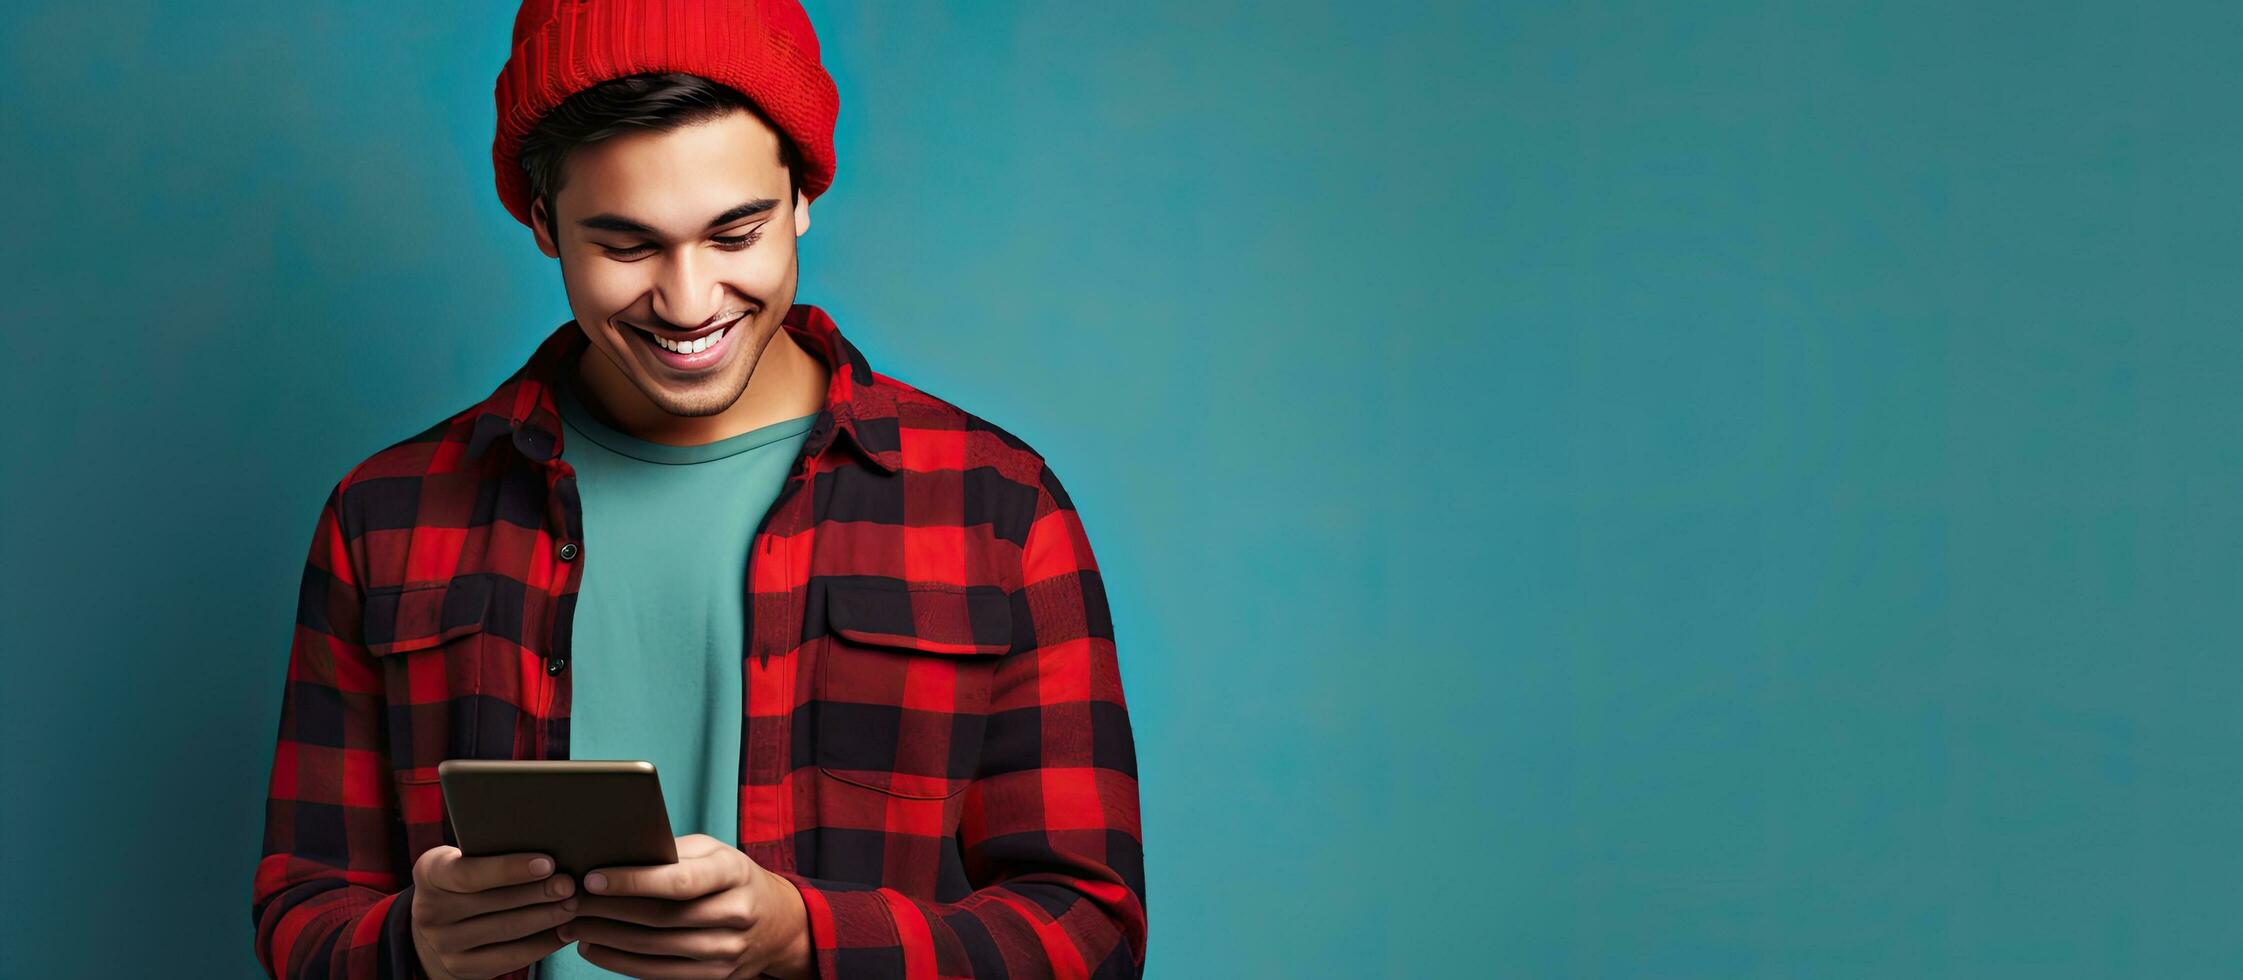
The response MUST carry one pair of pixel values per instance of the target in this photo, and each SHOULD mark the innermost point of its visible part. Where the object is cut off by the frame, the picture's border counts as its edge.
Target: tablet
(586, 813)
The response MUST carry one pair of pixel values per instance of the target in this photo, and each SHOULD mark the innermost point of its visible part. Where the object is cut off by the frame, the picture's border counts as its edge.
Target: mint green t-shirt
(658, 641)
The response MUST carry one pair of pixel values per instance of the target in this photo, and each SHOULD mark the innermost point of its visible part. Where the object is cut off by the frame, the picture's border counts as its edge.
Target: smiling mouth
(692, 353)
(690, 336)
(700, 341)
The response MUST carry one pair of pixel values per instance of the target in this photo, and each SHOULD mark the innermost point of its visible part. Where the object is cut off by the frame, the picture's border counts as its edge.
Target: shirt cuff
(400, 959)
(852, 929)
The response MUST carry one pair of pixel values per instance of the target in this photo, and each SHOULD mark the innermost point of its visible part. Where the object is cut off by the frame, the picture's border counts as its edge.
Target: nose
(686, 292)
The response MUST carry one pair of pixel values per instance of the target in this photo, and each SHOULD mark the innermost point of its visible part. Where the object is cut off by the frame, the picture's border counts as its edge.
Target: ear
(541, 221)
(801, 213)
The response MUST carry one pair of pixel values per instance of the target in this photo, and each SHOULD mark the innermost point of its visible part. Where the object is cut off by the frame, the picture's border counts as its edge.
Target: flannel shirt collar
(523, 413)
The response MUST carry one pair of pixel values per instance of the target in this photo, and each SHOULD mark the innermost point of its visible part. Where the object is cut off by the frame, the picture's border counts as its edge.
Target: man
(860, 631)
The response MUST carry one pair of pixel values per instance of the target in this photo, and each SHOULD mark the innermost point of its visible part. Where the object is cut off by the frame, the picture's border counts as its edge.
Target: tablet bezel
(585, 813)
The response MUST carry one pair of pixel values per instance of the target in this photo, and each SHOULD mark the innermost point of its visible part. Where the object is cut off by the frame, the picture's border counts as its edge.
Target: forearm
(1010, 929)
(311, 927)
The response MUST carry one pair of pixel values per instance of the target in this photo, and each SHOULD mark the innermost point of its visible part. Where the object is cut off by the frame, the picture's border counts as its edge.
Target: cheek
(760, 270)
(597, 288)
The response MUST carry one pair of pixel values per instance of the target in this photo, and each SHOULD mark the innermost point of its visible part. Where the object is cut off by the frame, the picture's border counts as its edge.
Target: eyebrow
(617, 222)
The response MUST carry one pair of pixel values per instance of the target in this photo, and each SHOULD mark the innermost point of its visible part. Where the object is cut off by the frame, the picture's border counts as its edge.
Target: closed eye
(730, 243)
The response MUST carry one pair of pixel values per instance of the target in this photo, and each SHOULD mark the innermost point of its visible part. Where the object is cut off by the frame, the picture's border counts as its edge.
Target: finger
(717, 911)
(507, 926)
(466, 875)
(453, 908)
(498, 958)
(700, 944)
(686, 879)
(653, 967)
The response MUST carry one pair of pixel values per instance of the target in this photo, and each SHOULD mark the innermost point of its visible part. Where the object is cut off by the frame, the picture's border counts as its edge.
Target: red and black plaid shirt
(935, 746)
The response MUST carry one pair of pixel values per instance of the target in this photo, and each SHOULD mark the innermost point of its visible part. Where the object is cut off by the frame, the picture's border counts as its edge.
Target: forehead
(676, 178)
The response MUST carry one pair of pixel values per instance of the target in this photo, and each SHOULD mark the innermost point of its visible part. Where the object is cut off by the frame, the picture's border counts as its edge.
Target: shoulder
(1001, 472)
(383, 488)
(935, 431)
(1011, 486)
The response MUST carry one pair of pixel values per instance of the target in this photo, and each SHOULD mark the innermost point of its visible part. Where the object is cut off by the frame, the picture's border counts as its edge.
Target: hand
(715, 914)
(479, 917)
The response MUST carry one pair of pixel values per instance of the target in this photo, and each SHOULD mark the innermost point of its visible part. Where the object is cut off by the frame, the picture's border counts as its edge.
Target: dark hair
(650, 100)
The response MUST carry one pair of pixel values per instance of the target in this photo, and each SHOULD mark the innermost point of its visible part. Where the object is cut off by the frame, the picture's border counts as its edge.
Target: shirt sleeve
(1050, 834)
(330, 898)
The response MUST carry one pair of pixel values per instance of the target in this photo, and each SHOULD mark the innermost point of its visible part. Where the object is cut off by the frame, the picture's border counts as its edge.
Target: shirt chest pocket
(430, 642)
(903, 685)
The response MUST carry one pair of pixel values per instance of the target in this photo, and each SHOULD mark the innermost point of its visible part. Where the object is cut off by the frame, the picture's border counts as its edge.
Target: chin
(699, 399)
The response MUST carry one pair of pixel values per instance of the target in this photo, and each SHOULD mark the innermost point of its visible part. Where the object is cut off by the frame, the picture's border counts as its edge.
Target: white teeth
(693, 347)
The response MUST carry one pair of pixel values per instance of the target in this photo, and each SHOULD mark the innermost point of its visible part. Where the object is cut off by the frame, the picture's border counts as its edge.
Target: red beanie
(763, 48)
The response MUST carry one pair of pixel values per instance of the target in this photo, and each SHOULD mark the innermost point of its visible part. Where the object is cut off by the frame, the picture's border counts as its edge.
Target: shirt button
(556, 665)
(568, 551)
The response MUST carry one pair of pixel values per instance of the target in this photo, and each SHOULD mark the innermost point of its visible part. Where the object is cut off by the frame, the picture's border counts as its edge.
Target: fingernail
(558, 887)
(541, 866)
(569, 905)
(596, 881)
(565, 932)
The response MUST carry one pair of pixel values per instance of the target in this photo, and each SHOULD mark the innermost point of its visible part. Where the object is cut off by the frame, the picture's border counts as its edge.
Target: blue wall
(1621, 489)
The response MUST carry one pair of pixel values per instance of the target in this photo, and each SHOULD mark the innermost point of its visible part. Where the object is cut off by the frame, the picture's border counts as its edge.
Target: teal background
(1606, 490)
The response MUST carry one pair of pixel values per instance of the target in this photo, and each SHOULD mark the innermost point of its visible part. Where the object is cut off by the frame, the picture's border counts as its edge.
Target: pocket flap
(422, 616)
(964, 621)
